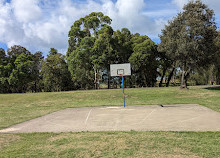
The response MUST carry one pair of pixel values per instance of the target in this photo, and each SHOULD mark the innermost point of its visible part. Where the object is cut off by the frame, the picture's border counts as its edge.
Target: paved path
(140, 118)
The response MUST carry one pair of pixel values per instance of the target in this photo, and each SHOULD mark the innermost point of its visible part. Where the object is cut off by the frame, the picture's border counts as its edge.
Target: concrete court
(140, 118)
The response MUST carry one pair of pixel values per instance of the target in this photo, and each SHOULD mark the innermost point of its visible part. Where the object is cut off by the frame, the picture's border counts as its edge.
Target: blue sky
(42, 24)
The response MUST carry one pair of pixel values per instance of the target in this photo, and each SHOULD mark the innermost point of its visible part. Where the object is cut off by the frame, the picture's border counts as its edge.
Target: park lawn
(112, 144)
(16, 108)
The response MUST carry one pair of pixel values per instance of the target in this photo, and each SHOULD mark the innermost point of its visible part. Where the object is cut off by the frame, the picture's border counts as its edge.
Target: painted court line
(148, 116)
(140, 118)
(88, 116)
(9, 130)
(186, 120)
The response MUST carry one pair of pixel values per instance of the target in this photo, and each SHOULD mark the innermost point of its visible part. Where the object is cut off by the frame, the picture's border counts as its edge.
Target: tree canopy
(56, 76)
(188, 39)
(94, 45)
(189, 46)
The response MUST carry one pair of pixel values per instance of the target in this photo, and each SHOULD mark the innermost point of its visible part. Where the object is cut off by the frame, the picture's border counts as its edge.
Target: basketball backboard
(120, 69)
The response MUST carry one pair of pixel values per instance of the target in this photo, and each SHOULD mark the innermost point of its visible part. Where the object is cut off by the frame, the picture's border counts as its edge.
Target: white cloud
(213, 4)
(129, 8)
(42, 24)
(26, 10)
(128, 13)
(180, 3)
(166, 13)
(10, 31)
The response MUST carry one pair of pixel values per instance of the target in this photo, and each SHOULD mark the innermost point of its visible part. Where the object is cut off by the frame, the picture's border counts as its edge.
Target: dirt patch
(6, 139)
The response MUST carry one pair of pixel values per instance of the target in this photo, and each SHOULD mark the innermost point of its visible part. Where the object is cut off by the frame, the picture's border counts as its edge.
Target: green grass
(112, 144)
(16, 108)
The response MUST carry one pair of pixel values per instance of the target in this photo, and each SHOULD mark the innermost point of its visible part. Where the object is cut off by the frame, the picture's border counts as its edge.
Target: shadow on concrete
(213, 88)
(169, 106)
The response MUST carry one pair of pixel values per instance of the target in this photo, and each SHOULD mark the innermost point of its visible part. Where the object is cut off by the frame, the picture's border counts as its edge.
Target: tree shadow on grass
(213, 88)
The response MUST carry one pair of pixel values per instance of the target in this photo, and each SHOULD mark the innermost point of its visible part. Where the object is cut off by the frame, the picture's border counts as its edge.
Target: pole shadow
(213, 88)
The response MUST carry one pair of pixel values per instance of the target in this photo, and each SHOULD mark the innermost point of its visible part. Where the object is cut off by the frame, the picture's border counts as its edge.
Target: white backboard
(120, 69)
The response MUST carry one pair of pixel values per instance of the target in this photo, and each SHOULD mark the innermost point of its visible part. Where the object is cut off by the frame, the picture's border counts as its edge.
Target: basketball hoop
(121, 70)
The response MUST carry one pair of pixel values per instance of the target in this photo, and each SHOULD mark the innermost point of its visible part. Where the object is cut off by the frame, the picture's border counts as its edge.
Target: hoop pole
(123, 91)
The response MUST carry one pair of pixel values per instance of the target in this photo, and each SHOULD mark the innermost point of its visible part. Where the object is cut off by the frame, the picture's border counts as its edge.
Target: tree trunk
(145, 77)
(173, 79)
(218, 77)
(109, 79)
(35, 86)
(161, 80)
(186, 78)
(218, 80)
(183, 83)
(96, 79)
(130, 82)
(185, 75)
(212, 75)
(170, 77)
(125, 82)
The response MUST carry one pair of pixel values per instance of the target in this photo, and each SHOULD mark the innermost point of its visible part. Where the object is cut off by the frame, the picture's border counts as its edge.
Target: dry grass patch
(115, 144)
(197, 95)
(6, 139)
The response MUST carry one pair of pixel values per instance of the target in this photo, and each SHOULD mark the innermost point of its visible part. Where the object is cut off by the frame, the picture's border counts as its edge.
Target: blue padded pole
(123, 91)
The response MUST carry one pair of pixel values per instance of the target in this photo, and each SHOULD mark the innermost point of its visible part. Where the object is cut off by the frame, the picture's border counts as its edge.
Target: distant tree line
(189, 51)
(21, 71)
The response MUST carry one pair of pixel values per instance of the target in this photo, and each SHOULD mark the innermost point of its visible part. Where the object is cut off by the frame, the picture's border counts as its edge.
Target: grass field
(112, 144)
(16, 108)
